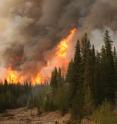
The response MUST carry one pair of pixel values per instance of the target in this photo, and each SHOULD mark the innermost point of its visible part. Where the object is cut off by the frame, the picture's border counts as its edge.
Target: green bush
(104, 115)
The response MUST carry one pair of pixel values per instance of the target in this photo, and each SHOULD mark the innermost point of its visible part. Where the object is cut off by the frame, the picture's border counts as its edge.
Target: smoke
(97, 37)
(30, 29)
(101, 15)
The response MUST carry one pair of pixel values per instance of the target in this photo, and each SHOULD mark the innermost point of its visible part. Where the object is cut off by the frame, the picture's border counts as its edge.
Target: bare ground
(28, 116)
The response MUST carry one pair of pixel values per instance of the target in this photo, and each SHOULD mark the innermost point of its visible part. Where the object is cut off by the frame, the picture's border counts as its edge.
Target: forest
(89, 84)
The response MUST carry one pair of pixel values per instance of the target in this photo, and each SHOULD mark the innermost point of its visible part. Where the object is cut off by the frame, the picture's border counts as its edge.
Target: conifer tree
(54, 79)
(98, 80)
(75, 83)
(88, 54)
(110, 71)
(108, 81)
(115, 66)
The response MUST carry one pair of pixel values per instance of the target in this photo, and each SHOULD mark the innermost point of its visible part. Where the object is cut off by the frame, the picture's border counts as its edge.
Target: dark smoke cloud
(101, 15)
(14, 55)
(34, 27)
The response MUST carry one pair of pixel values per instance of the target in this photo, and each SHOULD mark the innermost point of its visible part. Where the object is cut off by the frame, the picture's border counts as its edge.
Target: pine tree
(69, 74)
(88, 54)
(75, 83)
(98, 80)
(115, 66)
(107, 71)
(99, 77)
(54, 79)
(110, 71)
(60, 78)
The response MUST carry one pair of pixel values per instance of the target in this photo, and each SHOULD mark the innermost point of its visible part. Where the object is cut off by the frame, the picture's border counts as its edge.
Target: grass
(104, 115)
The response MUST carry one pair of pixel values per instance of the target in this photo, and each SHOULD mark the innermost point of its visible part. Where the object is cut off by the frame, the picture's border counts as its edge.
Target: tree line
(91, 79)
(13, 95)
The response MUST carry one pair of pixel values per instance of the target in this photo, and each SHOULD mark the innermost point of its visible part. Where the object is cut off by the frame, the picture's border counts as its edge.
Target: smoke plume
(31, 29)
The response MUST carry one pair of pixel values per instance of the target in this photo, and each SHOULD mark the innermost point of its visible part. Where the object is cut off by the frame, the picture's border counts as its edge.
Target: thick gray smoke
(101, 15)
(31, 28)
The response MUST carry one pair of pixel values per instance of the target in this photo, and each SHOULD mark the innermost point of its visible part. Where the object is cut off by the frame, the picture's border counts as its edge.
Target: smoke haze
(30, 29)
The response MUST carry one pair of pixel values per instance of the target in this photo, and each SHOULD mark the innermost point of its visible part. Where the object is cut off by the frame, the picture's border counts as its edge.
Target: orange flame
(60, 58)
(62, 52)
(12, 76)
(64, 44)
(37, 79)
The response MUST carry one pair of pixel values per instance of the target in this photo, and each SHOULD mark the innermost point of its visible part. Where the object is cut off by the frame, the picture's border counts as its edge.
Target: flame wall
(31, 33)
(58, 57)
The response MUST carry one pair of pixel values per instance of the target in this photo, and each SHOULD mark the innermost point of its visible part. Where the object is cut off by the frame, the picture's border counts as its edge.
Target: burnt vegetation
(91, 80)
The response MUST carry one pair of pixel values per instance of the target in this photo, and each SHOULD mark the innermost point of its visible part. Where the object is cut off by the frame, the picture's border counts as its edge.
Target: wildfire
(62, 54)
(12, 76)
(64, 45)
(62, 49)
(60, 58)
(37, 79)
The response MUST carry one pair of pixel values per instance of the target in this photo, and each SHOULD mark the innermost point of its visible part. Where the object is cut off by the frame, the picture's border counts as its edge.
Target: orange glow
(59, 57)
(37, 79)
(64, 44)
(62, 49)
(12, 76)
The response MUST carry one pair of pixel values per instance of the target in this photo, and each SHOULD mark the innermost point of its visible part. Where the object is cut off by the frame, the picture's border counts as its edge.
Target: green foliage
(61, 98)
(104, 115)
(107, 82)
(90, 80)
(54, 82)
(74, 80)
(40, 97)
(12, 95)
(88, 60)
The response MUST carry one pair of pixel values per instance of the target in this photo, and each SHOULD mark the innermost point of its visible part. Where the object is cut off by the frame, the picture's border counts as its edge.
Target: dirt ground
(28, 116)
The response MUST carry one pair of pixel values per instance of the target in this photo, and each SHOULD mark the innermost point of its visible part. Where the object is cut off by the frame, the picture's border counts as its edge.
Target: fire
(62, 54)
(37, 79)
(63, 47)
(61, 57)
(12, 76)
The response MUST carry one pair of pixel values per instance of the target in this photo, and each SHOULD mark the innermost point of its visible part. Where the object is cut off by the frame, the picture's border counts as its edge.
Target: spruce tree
(108, 70)
(88, 54)
(75, 83)
(115, 66)
(54, 79)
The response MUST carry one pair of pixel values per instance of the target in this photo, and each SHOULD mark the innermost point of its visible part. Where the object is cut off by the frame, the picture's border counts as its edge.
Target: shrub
(104, 115)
